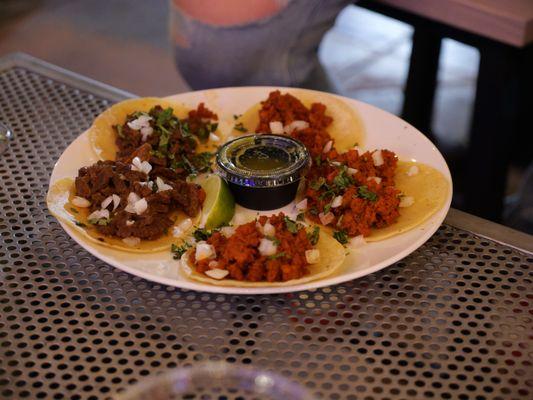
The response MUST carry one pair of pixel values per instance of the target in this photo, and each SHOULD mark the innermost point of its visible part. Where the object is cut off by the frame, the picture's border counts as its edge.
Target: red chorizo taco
(267, 252)
(126, 206)
(371, 194)
(317, 119)
(172, 135)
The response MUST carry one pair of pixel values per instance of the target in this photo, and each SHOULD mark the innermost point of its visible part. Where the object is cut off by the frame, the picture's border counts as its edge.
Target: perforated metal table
(453, 320)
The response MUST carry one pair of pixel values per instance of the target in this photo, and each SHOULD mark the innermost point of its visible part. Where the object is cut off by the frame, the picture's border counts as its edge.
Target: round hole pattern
(452, 320)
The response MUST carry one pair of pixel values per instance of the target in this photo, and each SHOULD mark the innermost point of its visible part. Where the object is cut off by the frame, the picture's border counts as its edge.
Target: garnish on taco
(266, 252)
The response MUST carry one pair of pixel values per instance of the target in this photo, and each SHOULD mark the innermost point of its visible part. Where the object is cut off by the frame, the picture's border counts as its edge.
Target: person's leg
(272, 43)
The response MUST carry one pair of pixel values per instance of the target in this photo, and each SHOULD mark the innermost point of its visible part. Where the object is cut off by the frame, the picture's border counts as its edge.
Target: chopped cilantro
(202, 161)
(314, 235)
(300, 216)
(240, 127)
(318, 161)
(178, 251)
(203, 134)
(327, 207)
(164, 117)
(274, 239)
(364, 193)
(291, 225)
(277, 255)
(341, 237)
(202, 234)
(81, 224)
(316, 185)
(343, 180)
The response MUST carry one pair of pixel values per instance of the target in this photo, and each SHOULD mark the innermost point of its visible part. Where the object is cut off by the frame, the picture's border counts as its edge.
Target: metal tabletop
(451, 321)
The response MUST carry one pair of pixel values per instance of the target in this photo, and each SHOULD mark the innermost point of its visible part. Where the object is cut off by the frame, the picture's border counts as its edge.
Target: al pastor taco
(316, 119)
(267, 252)
(371, 194)
(126, 206)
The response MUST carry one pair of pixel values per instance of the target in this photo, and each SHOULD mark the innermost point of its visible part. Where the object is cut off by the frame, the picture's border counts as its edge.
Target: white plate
(383, 130)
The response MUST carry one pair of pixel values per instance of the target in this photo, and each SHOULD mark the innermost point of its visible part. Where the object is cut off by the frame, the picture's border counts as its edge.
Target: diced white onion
(217, 273)
(214, 138)
(337, 202)
(98, 214)
(204, 250)
(161, 185)
(356, 241)
(213, 264)
(407, 201)
(276, 127)
(141, 122)
(377, 179)
(302, 205)
(129, 222)
(351, 171)
(186, 224)
(81, 202)
(377, 157)
(295, 126)
(106, 202)
(328, 147)
(269, 229)
(326, 219)
(267, 247)
(133, 198)
(146, 131)
(227, 231)
(141, 166)
(132, 241)
(413, 170)
(116, 201)
(335, 163)
(312, 256)
(140, 206)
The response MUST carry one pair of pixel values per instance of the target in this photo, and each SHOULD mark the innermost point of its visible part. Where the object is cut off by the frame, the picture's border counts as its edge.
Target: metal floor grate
(451, 321)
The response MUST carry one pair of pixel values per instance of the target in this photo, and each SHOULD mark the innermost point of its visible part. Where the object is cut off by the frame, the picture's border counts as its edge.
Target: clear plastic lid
(262, 160)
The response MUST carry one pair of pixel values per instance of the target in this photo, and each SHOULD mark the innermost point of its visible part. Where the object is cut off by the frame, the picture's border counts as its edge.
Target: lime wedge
(219, 205)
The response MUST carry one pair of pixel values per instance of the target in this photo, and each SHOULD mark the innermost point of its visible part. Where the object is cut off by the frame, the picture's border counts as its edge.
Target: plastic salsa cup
(263, 171)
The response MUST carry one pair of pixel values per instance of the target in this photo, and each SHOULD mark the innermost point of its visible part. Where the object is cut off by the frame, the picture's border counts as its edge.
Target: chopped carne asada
(135, 200)
(164, 140)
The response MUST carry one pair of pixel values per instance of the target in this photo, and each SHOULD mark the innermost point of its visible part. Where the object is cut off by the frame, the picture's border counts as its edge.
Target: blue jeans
(280, 50)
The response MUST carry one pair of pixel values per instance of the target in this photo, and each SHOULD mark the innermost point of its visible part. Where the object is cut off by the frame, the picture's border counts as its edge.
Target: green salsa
(262, 158)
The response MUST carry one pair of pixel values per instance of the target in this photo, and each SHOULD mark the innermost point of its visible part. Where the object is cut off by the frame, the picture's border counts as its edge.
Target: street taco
(267, 252)
(125, 206)
(371, 194)
(314, 118)
(172, 135)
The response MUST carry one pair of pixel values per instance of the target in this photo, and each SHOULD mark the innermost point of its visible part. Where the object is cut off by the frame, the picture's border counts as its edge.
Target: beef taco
(267, 252)
(126, 206)
(371, 194)
(172, 135)
(317, 119)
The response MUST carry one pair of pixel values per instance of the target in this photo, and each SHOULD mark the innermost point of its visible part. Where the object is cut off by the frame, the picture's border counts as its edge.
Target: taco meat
(270, 249)
(287, 109)
(163, 139)
(353, 193)
(126, 202)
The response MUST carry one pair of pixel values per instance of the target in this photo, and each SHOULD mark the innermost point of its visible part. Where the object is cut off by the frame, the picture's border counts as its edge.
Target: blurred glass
(216, 381)
(5, 136)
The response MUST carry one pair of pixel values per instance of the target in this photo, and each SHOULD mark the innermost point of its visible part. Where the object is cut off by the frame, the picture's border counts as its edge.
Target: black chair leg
(494, 126)
(422, 80)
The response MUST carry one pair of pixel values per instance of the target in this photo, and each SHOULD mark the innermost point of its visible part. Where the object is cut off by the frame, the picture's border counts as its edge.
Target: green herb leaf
(318, 161)
(341, 236)
(327, 207)
(118, 128)
(291, 225)
(164, 117)
(343, 180)
(300, 216)
(277, 255)
(240, 127)
(314, 235)
(364, 193)
(202, 234)
(316, 185)
(81, 224)
(178, 251)
(274, 239)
